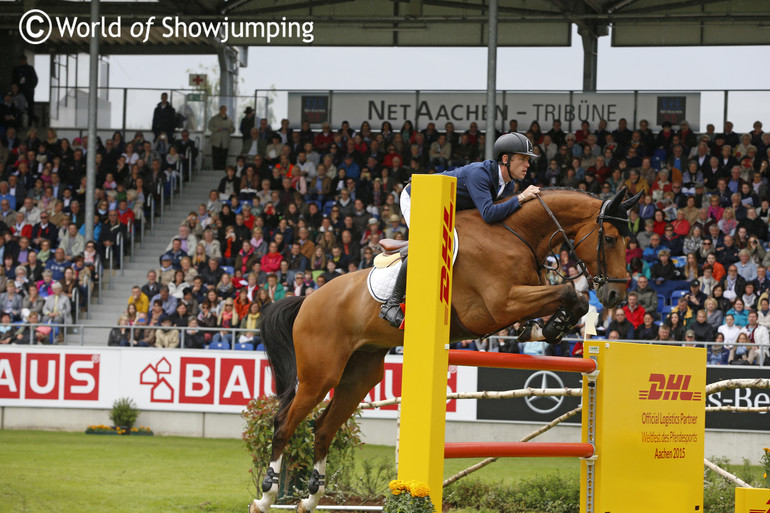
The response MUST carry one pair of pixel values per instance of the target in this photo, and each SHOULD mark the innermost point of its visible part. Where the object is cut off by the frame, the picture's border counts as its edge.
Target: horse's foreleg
(302, 404)
(363, 371)
(562, 303)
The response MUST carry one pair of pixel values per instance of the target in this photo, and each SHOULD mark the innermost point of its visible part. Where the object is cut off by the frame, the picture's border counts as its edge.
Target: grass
(74, 472)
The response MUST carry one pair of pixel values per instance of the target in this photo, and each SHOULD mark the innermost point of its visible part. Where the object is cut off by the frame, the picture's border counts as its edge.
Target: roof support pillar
(93, 94)
(590, 58)
(228, 77)
(491, 80)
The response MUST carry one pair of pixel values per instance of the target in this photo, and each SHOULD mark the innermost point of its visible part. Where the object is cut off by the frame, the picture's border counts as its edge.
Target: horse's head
(605, 249)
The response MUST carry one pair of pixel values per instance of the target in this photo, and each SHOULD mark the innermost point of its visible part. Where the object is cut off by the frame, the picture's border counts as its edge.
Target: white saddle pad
(380, 282)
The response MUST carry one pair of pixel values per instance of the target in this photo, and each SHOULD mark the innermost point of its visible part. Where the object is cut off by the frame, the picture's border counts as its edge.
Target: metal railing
(80, 331)
(764, 351)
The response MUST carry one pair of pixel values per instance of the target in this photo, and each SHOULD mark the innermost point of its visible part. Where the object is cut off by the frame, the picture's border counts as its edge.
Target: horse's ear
(630, 202)
(614, 203)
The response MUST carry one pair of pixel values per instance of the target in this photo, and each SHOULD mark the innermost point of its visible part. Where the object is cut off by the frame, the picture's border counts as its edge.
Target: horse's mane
(570, 189)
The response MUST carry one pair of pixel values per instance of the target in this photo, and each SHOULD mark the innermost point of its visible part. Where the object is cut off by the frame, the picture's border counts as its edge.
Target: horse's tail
(276, 331)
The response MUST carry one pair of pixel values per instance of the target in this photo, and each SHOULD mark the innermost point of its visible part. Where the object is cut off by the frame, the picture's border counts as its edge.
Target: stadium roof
(419, 22)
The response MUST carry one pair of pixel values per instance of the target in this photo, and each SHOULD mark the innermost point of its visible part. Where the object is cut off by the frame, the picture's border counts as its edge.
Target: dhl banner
(752, 500)
(650, 427)
(177, 380)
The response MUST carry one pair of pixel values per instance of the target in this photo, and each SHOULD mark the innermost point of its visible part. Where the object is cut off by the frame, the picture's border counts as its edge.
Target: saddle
(392, 251)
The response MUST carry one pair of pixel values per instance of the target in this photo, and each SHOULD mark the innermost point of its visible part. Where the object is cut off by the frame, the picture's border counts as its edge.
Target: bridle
(594, 282)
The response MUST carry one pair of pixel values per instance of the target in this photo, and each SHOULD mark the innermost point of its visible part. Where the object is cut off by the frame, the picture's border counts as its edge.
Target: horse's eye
(609, 240)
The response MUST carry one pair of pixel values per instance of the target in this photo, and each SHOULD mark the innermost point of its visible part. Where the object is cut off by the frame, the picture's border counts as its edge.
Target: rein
(594, 282)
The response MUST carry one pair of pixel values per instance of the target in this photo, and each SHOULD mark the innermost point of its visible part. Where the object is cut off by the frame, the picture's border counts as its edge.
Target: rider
(479, 185)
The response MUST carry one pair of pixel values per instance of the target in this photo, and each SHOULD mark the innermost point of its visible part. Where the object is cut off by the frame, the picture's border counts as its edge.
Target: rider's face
(518, 165)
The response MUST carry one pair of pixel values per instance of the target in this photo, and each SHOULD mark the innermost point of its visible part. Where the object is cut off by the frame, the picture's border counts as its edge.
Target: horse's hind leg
(363, 371)
(306, 398)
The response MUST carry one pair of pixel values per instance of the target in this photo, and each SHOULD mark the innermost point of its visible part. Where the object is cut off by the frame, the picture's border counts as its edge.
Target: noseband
(594, 282)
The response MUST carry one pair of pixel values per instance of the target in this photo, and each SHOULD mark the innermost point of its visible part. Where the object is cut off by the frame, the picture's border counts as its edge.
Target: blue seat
(219, 345)
(228, 269)
(661, 302)
(677, 294)
(328, 207)
(665, 311)
(260, 347)
(244, 346)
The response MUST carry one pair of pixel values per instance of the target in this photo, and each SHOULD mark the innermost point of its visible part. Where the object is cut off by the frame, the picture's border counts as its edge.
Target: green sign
(196, 97)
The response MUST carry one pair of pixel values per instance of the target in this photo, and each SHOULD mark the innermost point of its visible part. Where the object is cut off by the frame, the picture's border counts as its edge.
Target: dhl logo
(670, 389)
(447, 251)
(760, 510)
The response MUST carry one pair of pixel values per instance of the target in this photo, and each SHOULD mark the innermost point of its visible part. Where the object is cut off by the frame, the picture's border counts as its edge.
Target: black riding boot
(391, 310)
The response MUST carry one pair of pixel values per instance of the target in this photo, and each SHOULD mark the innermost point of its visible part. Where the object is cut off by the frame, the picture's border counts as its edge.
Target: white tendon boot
(316, 486)
(269, 488)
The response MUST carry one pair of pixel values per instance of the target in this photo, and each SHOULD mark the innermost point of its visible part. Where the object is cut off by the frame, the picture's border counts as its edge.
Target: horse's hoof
(255, 508)
(308, 505)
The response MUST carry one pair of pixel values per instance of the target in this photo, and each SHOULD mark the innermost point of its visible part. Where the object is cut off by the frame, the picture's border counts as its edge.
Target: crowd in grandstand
(299, 207)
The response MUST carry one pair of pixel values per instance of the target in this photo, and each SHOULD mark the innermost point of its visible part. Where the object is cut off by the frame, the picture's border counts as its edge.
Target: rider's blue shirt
(478, 186)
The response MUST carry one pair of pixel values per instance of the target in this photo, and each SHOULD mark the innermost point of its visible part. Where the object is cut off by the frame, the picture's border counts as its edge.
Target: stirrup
(394, 313)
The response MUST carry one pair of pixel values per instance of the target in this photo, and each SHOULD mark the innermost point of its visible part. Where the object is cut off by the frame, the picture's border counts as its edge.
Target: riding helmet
(513, 143)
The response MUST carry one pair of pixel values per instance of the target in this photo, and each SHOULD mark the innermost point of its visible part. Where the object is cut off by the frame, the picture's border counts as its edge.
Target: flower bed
(118, 430)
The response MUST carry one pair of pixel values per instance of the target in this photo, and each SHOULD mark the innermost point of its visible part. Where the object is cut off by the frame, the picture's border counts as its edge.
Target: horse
(334, 338)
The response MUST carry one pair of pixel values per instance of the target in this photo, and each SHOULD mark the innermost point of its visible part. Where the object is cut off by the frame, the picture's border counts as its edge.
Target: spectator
(121, 336)
(32, 301)
(718, 354)
(164, 118)
(739, 313)
(648, 330)
(178, 286)
(271, 262)
(275, 290)
(139, 299)
(58, 264)
(633, 311)
(166, 337)
(57, 308)
(677, 325)
(623, 326)
(664, 333)
(733, 284)
(212, 273)
(11, 302)
(763, 313)
(250, 321)
(211, 245)
(175, 253)
(166, 270)
(227, 319)
(112, 232)
(152, 287)
(167, 301)
(703, 331)
(646, 296)
(729, 331)
(220, 126)
(746, 267)
(72, 243)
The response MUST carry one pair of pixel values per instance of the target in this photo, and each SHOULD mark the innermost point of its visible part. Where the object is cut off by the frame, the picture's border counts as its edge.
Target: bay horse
(334, 338)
